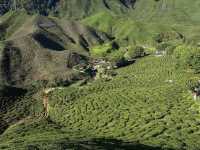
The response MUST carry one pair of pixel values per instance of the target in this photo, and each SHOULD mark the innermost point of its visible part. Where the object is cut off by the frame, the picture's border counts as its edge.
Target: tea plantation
(146, 103)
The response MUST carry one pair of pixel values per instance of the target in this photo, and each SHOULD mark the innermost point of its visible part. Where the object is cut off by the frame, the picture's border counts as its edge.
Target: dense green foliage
(31, 6)
(188, 56)
(194, 60)
(102, 50)
(140, 104)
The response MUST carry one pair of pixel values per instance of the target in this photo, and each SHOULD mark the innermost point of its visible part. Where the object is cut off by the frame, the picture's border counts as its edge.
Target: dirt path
(46, 93)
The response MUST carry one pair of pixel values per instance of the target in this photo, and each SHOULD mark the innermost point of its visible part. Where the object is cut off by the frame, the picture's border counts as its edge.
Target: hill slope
(173, 10)
(145, 18)
(149, 18)
(40, 47)
(140, 105)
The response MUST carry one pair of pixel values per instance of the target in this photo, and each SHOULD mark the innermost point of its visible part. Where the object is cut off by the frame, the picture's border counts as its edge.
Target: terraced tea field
(147, 103)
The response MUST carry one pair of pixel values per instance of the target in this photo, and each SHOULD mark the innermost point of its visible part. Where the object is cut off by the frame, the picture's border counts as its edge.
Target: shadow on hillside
(8, 95)
(12, 92)
(105, 144)
(48, 42)
(3, 125)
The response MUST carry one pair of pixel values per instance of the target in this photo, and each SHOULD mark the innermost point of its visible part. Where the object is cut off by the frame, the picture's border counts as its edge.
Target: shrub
(116, 56)
(183, 54)
(193, 60)
(188, 56)
(101, 50)
(134, 52)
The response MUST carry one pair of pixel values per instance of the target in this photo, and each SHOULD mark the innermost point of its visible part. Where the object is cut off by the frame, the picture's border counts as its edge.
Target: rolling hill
(40, 47)
(46, 103)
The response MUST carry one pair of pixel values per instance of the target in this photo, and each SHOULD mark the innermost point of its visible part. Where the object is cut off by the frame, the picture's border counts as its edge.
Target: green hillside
(149, 18)
(99, 75)
(139, 105)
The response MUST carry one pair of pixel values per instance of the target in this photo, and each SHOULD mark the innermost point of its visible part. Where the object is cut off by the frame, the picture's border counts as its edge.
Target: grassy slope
(39, 46)
(12, 21)
(138, 105)
(149, 18)
(81, 8)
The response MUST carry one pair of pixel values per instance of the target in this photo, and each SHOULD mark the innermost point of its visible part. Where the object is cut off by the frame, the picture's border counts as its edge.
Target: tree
(134, 52)
(39, 6)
